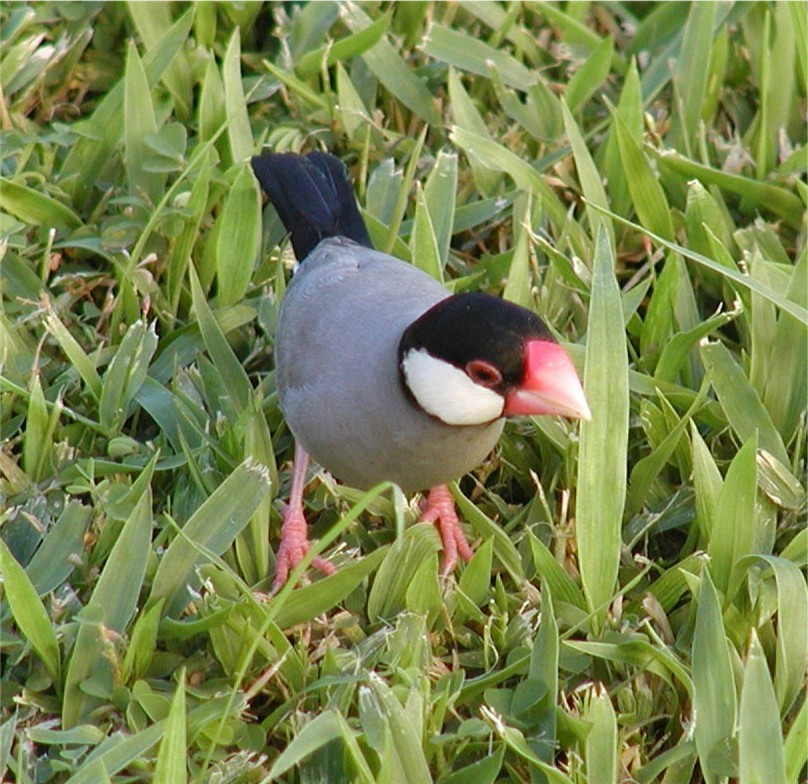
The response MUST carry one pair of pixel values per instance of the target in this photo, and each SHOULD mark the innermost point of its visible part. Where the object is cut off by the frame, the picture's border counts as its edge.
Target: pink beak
(550, 386)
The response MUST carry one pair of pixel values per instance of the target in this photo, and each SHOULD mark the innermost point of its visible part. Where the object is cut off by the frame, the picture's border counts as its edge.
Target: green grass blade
(403, 753)
(601, 743)
(239, 238)
(173, 415)
(29, 613)
(252, 544)
(59, 552)
(707, 482)
(183, 245)
(735, 525)
(518, 283)
(574, 31)
(35, 207)
(76, 354)
(111, 606)
(792, 633)
(714, 700)
(315, 739)
(382, 196)
(401, 198)
(501, 21)
(212, 110)
(762, 195)
(588, 176)
(399, 568)
(343, 49)
(116, 757)
(690, 74)
(139, 122)
(649, 199)
(677, 350)
(306, 603)
(187, 342)
(125, 375)
(660, 322)
(562, 586)
(239, 132)
(794, 749)
(440, 193)
(351, 107)
(486, 770)
(647, 469)
(745, 281)
(151, 20)
(391, 70)
(786, 382)
(705, 210)
(170, 767)
(604, 440)
(424, 242)
(468, 53)
(37, 437)
(211, 529)
(504, 548)
(543, 678)
(497, 157)
(590, 76)
(515, 741)
(799, 21)
(473, 587)
(466, 116)
(232, 373)
(142, 644)
(641, 653)
(740, 401)
(669, 588)
(297, 86)
(105, 128)
(630, 110)
(760, 739)
(316, 734)
(423, 597)
(540, 115)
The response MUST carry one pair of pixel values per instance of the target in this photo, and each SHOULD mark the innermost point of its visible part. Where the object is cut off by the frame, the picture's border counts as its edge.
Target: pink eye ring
(483, 373)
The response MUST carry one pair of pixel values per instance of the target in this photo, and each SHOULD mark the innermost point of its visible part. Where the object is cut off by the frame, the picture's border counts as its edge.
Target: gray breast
(338, 379)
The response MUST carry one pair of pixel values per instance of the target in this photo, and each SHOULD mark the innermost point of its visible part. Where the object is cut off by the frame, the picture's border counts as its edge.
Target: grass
(636, 607)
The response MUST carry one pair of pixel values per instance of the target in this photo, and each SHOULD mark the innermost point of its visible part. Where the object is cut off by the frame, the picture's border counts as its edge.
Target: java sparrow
(382, 374)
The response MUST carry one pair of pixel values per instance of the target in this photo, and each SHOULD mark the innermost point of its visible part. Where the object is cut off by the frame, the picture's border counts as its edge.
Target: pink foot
(294, 539)
(440, 509)
(293, 548)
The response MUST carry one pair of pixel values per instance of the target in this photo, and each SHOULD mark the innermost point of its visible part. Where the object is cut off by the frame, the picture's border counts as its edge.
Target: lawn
(636, 606)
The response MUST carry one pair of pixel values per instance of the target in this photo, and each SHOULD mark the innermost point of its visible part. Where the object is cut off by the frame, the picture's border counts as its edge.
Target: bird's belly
(403, 446)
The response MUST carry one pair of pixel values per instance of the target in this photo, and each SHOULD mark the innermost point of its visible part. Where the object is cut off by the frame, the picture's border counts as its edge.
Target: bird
(382, 373)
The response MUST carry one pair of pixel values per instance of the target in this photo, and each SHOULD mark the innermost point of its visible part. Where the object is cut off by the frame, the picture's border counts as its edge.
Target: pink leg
(440, 509)
(294, 539)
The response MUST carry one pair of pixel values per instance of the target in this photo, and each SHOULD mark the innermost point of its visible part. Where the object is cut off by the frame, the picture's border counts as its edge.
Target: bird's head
(474, 358)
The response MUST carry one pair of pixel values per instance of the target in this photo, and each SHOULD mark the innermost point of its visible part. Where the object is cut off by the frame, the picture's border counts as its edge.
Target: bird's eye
(483, 373)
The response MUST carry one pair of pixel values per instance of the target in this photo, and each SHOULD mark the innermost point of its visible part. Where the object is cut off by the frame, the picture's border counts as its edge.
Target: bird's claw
(440, 510)
(293, 548)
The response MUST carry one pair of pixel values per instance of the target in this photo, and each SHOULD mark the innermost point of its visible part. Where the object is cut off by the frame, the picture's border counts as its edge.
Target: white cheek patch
(446, 392)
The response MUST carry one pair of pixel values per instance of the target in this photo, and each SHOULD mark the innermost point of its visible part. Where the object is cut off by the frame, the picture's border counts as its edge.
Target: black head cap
(475, 326)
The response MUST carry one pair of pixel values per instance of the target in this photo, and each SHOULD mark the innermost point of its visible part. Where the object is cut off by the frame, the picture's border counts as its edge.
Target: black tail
(313, 198)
